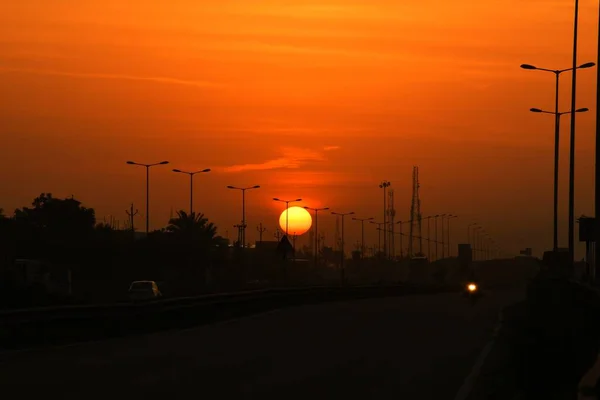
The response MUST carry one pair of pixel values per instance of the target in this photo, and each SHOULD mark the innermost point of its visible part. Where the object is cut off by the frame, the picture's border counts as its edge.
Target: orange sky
(319, 100)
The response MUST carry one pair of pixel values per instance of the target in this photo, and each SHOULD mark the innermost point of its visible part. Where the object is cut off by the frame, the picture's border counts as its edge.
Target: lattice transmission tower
(415, 241)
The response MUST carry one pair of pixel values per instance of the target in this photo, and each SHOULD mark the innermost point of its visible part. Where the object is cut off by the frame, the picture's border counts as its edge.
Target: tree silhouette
(58, 228)
(58, 216)
(193, 228)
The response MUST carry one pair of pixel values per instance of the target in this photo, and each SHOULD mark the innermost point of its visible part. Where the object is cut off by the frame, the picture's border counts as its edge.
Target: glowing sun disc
(299, 221)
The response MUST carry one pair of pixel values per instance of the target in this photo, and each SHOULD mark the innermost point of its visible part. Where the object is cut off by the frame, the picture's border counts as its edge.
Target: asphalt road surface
(413, 347)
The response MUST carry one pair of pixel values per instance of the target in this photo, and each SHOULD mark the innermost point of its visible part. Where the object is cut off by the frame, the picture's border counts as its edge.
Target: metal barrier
(76, 323)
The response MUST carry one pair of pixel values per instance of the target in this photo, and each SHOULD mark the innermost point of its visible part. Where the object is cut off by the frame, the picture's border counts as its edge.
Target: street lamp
(469, 233)
(436, 233)
(384, 185)
(243, 227)
(596, 272)
(557, 116)
(316, 210)
(287, 214)
(342, 256)
(191, 174)
(557, 73)
(362, 230)
(477, 232)
(429, 236)
(449, 217)
(147, 188)
(401, 242)
(379, 234)
(487, 245)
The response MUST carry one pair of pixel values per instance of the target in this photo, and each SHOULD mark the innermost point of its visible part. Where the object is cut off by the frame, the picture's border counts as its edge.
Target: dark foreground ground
(412, 347)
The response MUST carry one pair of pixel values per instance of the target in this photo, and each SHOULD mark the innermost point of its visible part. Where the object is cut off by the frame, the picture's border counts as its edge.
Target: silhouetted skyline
(318, 102)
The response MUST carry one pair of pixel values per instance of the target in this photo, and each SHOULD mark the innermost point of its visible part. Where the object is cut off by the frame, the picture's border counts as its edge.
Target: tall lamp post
(557, 73)
(379, 224)
(597, 167)
(243, 190)
(557, 116)
(191, 174)
(362, 233)
(147, 188)
(316, 210)
(436, 233)
(342, 271)
(572, 145)
(384, 185)
(477, 232)
(429, 236)
(469, 236)
(449, 217)
(287, 207)
(401, 242)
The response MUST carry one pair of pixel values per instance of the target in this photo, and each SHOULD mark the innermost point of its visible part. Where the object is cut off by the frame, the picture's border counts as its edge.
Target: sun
(299, 221)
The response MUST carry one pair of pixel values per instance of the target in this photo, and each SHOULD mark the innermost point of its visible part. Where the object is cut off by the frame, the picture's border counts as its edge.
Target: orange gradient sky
(319, 100)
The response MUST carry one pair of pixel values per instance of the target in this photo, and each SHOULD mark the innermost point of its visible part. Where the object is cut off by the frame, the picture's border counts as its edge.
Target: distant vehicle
(472, 292)
(144, 290)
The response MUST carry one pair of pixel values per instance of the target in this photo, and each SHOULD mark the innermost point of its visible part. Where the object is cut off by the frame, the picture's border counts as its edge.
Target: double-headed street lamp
(401, 235)
(557, 116)
(287, 214)
(147, 188)
(429, 236)
(191, 174)
(469, 231)
(342, 246)
(243, 228)
(436, 233)
(362, 230)
(596, 266)
(477, 232)
(384, 185)
(557, 73)
(316, 210)
(378, 235)
(448, 218)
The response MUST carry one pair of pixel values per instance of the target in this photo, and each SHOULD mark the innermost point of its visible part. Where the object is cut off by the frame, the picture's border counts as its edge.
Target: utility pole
(131, 214)
(277, 234)
(260, 230)
(240, 228)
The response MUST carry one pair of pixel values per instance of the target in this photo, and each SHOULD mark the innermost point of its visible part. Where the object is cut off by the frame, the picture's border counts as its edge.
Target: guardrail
(46, 313)
(44, 326)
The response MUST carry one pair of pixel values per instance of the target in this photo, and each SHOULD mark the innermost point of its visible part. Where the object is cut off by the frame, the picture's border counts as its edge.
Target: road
(413, 347)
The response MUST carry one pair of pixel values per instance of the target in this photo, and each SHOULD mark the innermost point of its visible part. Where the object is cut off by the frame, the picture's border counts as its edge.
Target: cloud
(167, 80)
(331, 148)
(291, 158)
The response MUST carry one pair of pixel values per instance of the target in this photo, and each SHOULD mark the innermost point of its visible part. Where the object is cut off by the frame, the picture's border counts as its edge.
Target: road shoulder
(496, 378)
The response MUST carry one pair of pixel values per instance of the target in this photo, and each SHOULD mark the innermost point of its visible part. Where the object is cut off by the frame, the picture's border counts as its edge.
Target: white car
(144, 290)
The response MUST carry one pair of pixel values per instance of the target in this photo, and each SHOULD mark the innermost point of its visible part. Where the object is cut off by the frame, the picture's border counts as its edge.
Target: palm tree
(192, 227)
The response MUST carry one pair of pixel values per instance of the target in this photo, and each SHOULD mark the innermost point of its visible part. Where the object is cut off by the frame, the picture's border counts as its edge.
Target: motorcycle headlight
(472, 287)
